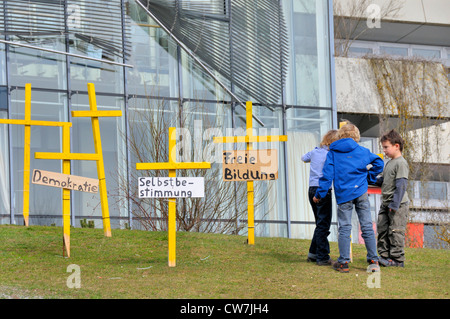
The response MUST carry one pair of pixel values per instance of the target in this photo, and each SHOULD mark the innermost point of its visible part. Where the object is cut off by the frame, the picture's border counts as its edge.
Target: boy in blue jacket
(347, 166)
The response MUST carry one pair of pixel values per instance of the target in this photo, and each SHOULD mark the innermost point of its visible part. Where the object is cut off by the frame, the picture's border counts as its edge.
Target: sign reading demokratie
(171, 187)
(250, 165)
(76, 183)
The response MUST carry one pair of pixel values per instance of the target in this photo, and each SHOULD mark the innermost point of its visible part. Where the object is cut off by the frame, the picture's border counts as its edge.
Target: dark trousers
(322, 214)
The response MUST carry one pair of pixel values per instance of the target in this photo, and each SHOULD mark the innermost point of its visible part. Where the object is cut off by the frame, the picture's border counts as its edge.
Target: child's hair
(394, 138)
(349, 130)
(329, 138)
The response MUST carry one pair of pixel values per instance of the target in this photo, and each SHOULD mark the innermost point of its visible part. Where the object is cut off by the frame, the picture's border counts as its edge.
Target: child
(319, 251)
(393, 212)
(346, 166)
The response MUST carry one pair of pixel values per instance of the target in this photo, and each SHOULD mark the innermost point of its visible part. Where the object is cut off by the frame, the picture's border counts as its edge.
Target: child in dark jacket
(346, 166)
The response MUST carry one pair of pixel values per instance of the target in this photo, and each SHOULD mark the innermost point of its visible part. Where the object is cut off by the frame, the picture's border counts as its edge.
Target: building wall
(413, 33)
(357, 92)
(163, 75)
(417, 11)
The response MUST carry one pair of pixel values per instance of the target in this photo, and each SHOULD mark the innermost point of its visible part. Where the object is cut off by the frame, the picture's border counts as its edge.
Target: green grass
(133, 264)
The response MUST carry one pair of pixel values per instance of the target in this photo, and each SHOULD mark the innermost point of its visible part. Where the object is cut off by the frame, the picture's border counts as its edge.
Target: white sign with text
(171, 187)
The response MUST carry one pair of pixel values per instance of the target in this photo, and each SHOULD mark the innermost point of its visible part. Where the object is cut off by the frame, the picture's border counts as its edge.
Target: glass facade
(142, 71)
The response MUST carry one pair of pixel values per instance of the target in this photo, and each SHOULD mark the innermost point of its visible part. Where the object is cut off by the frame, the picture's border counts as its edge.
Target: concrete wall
(357, 92)
(356, 86)
(414, 11)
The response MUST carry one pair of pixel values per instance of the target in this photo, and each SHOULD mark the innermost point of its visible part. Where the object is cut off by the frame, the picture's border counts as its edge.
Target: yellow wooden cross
(249, 138)
(172, 166)
(94, 114)
(66, 156)
(28, 122)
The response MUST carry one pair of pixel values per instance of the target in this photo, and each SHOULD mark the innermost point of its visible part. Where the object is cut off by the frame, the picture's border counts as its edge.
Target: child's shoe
(341, 267)
(324, 263)
(311, 260)
(385, 262)
(395, 263)
(373, 266)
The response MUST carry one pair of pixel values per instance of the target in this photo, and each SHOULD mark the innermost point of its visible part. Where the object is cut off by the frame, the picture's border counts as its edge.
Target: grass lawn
(133, 265)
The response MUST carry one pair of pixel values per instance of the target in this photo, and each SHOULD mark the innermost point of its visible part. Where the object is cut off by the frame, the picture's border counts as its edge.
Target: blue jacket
(346, 166)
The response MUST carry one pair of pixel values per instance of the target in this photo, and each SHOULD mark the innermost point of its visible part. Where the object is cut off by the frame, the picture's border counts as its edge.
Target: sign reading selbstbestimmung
(171, 187)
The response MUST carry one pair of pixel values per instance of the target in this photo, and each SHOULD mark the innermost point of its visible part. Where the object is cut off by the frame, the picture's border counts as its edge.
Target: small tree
(413, 91)
(224, 207)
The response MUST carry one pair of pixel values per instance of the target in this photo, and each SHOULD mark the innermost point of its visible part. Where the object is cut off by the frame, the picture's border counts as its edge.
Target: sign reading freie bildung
(250, 165)
(171, 187)
(72, 182)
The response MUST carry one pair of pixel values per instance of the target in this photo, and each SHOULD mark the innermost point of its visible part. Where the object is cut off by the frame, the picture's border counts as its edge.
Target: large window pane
(106, 77)
(308, 77)
(224, 204)
(359, 51)
(40, 68)
(112, 130)
(201, 122)
(95, 31)
(45, 202)
(153, 55)
(395, 51)
(433, 190)
(4, 170)
(305, 129)
(198, 84)
(149, 121)
(270, 196)
(2, 65)
(3, 97)
(427, 53)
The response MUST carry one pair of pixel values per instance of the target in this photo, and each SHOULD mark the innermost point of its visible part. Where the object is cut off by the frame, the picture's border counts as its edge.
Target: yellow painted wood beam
(67, 156)
(95, 114)
(172, 165)
(249, 138)
(28, 122)
(34, 122)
